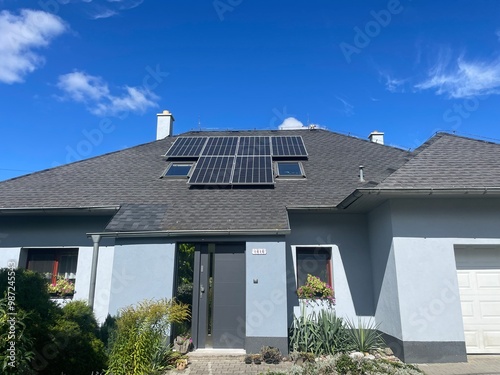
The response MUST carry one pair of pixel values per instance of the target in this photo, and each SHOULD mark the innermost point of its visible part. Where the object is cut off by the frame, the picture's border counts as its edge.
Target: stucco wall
(352, 274)
(266, 299)
(425, 233)
(385, 283)
(142, 269)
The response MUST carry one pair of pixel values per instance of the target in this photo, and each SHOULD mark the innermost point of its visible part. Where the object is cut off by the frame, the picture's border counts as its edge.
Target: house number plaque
(259, 251)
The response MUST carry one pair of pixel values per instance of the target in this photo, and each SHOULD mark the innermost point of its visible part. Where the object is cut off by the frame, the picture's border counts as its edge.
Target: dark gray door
(221, 296)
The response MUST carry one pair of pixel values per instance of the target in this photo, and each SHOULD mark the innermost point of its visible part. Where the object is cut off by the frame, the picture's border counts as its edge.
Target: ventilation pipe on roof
(376, 137)
(361, 174)
(165, 125)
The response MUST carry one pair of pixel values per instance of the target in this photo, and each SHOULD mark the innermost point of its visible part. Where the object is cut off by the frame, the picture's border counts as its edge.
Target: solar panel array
(236, 160)
(187, 147)
(288, 146)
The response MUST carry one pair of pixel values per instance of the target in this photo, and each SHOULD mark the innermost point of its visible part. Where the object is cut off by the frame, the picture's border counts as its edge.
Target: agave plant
(364, 336)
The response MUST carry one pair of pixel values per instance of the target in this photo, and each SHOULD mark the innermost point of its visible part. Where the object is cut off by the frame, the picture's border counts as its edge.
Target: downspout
(93, 271)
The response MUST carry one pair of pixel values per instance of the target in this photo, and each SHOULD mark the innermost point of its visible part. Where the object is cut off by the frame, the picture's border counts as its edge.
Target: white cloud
(393, 84)
(103, 13)
(94, 92)
(291, 123)
(463, 79)
(21, 35)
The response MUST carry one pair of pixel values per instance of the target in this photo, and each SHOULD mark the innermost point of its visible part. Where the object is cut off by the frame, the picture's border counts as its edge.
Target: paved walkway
(234, 365)
(476, 365)
(227, 366)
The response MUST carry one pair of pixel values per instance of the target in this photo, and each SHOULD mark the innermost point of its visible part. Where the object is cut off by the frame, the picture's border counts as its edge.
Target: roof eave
(89, 210)
(397, 192)
(197, 233)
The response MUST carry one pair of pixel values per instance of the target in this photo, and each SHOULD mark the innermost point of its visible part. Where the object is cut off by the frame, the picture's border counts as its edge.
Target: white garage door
(478, 271)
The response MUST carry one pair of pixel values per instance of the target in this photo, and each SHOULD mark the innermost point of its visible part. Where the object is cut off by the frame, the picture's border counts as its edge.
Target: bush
(343, 364)
(321, 334)
(80, 352)
(365, 336)
(51, 340)
(15, 345)
(141, 342)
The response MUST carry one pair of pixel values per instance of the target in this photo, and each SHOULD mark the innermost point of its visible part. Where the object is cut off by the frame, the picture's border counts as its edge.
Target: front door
(219, 296)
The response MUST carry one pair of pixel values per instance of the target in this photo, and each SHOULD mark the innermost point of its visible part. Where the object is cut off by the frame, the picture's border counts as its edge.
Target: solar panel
(187, 147)
(220, 146)
(212, 170)
(254, 146)
(288, 146)
(253, 170)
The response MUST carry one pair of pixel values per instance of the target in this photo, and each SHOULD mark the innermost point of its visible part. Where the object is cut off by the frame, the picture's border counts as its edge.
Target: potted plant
(182, 344)
(61, 288)
(314, 289)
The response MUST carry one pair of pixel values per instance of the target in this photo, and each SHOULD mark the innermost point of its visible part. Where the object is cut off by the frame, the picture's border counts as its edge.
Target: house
(411, 239)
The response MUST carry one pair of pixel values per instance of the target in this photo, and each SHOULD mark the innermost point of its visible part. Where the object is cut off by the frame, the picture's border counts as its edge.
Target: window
(314, 261)
(289, 169)
(179, 170)
(53, 263)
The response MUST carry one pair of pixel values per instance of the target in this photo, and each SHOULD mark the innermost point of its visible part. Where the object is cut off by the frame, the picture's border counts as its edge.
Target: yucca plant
(322, 333)
(364, 336)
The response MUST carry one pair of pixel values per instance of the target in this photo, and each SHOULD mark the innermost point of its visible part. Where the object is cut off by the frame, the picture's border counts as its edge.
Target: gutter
(59, 210)
(358, 193)
(312, 208)
(183, 233)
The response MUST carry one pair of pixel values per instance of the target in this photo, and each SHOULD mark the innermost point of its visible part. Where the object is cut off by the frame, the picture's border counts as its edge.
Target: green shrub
(16, 347)
(53, 340)
(322, 333)
(364, 336)
(80, 352)
(140, 345)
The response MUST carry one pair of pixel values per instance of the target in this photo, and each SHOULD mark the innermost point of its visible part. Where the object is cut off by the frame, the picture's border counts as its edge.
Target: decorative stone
(388, 351)
(370, 357)
(356, 355)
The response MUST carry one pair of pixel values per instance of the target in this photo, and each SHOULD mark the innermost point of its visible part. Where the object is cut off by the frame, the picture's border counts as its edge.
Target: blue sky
(80, 78)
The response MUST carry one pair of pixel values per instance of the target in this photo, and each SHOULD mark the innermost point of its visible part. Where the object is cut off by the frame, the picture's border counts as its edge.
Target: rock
(370, 357)
(356, 355)
(388, 351)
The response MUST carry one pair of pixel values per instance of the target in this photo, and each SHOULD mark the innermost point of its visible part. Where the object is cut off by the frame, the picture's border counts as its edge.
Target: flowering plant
(315, 289)
(62, 287)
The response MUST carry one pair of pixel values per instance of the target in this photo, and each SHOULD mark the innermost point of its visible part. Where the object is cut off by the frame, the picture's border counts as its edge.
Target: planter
(182, 345)
(310, 306)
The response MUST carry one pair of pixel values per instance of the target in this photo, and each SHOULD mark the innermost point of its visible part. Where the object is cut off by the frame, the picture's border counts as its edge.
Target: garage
(478, 270)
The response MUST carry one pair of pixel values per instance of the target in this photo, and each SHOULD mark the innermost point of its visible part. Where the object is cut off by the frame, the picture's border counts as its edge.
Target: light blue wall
(385, 282)
(266, 300)
(425, 235)
(347, 234)
(142, 269)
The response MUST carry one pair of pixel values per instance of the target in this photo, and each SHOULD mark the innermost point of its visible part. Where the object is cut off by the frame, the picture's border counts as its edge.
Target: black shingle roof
(449, 161)
(131, 178)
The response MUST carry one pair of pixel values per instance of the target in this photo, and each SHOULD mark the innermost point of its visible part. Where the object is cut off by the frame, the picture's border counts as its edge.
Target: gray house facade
(408, 239)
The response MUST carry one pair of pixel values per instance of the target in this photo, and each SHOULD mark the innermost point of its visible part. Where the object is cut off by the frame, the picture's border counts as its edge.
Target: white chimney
(376, 137)
(165, 125)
